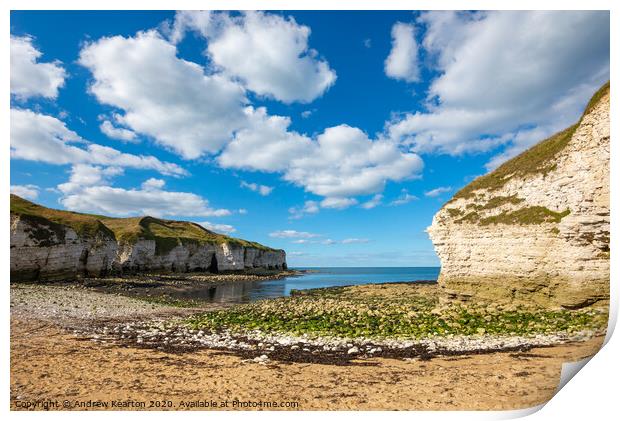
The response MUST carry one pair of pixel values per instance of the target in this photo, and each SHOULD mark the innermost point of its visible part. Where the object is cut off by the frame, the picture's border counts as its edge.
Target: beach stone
(262, 359)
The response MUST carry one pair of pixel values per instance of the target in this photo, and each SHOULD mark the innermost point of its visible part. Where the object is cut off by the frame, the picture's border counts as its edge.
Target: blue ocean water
(329, 277)
(243, 292)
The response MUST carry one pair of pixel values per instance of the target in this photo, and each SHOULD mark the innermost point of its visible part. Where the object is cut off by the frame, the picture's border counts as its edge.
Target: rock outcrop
(537, 228)
(48, 244)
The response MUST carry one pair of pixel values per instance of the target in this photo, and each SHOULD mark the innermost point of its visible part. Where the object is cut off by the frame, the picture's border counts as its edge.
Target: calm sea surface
(243, 292)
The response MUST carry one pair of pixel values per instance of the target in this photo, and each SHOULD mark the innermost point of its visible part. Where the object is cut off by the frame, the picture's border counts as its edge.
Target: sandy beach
(52, 367)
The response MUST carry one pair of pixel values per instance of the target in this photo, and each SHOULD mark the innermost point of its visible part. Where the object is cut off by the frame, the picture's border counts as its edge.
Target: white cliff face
(229, 257)
(565, 262)
(57, 252)
(52, 251)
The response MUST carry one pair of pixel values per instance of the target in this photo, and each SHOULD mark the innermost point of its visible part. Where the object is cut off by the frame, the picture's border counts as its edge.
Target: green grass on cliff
(539, 159)
(496, 202)
(166, 233)
(524, 216)
(85, 225)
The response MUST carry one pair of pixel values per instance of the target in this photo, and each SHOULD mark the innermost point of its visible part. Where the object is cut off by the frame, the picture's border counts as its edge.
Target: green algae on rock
(399, 313)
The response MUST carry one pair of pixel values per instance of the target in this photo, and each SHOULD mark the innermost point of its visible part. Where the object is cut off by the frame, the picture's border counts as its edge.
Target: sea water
(243, 292)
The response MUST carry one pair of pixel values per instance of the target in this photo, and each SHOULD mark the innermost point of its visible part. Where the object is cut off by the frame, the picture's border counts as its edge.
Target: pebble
(158, 332)
(262, 359)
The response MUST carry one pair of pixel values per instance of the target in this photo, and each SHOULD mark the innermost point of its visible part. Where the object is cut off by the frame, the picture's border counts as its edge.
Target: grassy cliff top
(166, 233)
(539, 159)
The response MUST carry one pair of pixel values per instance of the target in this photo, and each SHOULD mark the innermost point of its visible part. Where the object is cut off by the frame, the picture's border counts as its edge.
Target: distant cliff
(537, 227)
(49, 244)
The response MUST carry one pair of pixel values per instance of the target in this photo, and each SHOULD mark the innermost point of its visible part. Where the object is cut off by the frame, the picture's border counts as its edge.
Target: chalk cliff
(49, 244)
(537, 228)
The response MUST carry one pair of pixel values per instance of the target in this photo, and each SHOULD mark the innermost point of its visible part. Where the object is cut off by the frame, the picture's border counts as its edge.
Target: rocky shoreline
(119, 320)
(167, 279)
(261, 348)
(74, 342)
(165, 287)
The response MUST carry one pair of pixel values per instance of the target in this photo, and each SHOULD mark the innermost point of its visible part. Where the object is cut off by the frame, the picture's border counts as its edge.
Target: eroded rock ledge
(537, 228)
(48, 244)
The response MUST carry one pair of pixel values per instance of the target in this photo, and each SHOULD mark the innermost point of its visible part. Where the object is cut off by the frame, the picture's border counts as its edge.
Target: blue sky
(333, 135)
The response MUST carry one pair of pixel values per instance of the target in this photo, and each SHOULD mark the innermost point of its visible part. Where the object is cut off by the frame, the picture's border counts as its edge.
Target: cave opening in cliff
(213, 265)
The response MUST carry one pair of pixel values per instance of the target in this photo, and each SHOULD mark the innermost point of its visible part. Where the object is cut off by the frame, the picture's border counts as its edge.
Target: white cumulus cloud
(265, 144)
(503, 78)
(88, 190)
(309, 207)
(258, 188)
(373, 203)
(114, 132)
(167, 98)
(267, 52)
(404, 198)
(338, 202)
(118, 201)
(293, 234)
(355, 241)
(153, 184)
(437, 191)
(196, 111)
(342, 162)
(402, 62)
(29, 77)
(26, 191)
(43, 138)
(83, 175)
(219, 228)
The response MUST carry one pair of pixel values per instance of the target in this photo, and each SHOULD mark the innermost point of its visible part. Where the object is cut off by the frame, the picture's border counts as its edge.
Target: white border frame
(593, 393)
